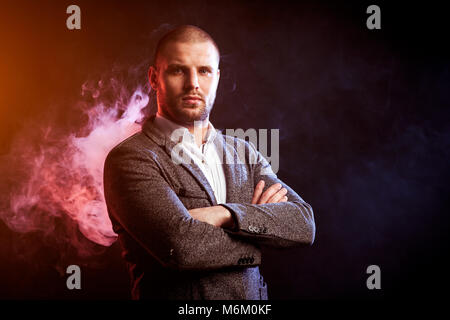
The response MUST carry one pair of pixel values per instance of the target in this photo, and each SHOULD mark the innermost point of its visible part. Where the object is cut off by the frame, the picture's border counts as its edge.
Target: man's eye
(176, 71)
(204, 71)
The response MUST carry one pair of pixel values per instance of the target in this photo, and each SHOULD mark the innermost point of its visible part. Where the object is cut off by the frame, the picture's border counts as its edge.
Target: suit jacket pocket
(189, 193)
(193, 199)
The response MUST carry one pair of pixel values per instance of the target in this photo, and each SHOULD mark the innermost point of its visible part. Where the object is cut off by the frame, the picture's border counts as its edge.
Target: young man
(192, 229)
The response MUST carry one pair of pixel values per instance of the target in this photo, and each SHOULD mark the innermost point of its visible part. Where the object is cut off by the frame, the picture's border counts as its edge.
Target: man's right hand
(274, 194)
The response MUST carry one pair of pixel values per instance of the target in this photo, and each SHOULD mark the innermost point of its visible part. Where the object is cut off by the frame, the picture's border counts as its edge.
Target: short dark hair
(184, 33)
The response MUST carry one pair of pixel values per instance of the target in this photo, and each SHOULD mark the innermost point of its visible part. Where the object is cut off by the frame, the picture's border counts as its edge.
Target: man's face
(186, 80)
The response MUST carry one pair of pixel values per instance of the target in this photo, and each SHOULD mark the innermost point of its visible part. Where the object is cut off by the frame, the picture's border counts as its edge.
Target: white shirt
(205, 156)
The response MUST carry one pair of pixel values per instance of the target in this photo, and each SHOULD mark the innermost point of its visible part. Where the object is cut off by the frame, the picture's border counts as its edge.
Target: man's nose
(192, 81)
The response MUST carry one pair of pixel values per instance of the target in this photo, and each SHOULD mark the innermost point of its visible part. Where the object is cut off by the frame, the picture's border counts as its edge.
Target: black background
(363, 118)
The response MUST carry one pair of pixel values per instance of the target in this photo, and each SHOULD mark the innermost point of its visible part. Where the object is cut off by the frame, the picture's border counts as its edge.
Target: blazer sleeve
(283, 224)
(141, 201)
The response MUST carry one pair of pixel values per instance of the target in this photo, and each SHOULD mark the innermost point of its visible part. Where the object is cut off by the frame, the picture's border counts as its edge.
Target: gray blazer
(172, 256)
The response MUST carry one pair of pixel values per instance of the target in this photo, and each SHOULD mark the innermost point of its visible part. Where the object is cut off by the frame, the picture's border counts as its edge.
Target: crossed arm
(271, 218)
(220, 216)
(142, 204)
(144, 207)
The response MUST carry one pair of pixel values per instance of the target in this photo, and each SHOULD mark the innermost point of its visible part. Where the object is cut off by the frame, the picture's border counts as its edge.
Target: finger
(258, 190)
(269, 193)
(284, 199)
(277, 196)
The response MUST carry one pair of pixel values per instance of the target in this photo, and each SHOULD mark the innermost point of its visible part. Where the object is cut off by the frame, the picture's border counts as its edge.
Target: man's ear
(218, 74)
(153, 77)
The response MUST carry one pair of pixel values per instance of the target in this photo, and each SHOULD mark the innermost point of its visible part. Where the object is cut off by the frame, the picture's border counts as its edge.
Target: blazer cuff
(235, 218)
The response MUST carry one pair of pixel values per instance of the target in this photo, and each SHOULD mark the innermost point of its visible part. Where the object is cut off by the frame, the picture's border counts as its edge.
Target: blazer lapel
(195, 171)
(152, 132)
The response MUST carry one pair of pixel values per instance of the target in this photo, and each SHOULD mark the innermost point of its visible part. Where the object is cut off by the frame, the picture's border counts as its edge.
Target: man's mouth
(192, 99)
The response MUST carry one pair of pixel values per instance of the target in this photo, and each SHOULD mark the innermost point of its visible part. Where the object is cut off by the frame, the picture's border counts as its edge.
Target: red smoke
(63, 174)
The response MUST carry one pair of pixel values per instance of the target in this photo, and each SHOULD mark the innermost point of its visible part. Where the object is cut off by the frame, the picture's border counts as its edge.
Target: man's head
(185, 74)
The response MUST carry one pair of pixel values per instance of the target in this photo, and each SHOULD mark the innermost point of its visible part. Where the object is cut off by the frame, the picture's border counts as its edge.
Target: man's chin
(191, 114)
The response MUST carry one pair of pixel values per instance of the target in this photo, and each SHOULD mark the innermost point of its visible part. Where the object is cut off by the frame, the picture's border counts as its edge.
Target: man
(193, 229)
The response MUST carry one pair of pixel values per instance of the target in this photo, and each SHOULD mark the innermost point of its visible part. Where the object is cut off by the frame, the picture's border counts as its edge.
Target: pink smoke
(63, 174)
